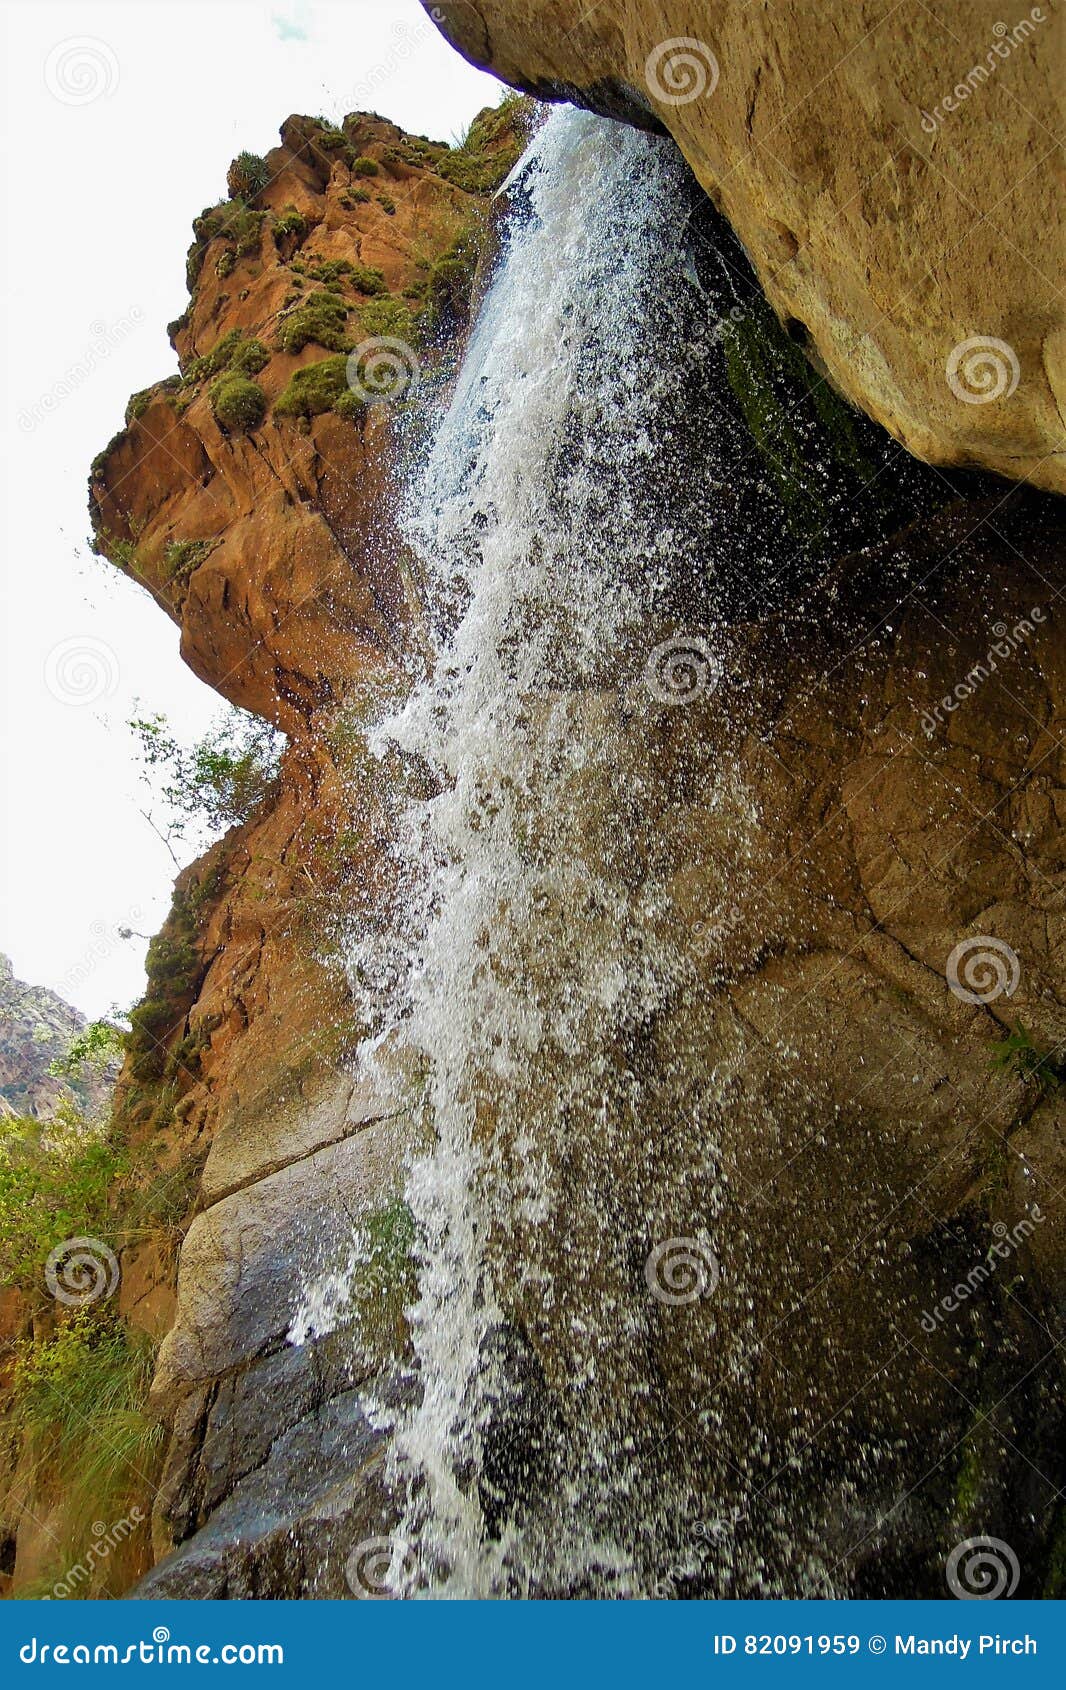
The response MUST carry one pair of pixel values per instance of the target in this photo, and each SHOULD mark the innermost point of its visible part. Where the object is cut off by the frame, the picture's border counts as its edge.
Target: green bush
(490, 149)
(364, 166)
(232, 221)
(137, 404)
(247, 176)
(353, 197)
(330, 270)
(244, 231)
(213, 362)
(387, 204)
(389, 319)
(79, 1402)
(239, 405)
(314, 389)
(182, 557)
(451, 280)
(320, 318)
(94, 1047)
(55, 1179)
(217, 783)
(291, 225)
(249, 358)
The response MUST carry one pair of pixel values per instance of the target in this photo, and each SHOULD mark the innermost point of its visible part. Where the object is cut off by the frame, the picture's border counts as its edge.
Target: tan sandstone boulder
(894, 172)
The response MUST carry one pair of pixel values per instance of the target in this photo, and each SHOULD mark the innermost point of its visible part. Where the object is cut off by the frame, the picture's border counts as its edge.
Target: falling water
(572, 518)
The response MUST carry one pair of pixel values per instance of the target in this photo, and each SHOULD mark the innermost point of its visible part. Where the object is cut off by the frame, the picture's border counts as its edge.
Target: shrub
(96, 1046)
(233, 221)
(321, 318)
(79, 1402)
(387, 204)
(368, 280)
(364, 166)
(218, 783)
(239, 405)
(490, 149)
(182, 557)
(330, 270)
(249, 357)
(353, 197)
(390, 319)
(137, 404)
(451, 281)
(247, 176)
(314, 389)
(211, 363)
(244, 230)
(55, 1178)
(231, 355)
(290, 227)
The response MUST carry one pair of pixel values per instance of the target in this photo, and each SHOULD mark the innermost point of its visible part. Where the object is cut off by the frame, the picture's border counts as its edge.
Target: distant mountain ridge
(36, 1027)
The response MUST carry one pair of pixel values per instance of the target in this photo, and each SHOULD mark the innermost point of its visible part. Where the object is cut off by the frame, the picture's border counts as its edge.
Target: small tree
(216, 783)
(247, 176)
(95, 1048)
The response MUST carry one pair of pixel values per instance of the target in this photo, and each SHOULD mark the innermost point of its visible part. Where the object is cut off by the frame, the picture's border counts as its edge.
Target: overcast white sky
(118, 120)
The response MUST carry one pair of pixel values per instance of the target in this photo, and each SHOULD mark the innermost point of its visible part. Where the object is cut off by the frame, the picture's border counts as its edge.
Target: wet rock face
(891, 174)
(867, 908)
(293, 1526)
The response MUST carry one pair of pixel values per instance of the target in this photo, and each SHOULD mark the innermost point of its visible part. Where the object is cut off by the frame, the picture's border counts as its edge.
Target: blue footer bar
(549, 1644)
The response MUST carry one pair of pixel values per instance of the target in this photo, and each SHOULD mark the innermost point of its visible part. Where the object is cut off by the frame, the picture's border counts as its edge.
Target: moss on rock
(239, 405)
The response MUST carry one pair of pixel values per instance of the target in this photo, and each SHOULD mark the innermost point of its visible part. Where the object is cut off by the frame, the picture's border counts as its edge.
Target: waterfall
(573, 527)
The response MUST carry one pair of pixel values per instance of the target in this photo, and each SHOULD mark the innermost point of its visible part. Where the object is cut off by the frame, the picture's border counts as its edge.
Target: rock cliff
(894, 173)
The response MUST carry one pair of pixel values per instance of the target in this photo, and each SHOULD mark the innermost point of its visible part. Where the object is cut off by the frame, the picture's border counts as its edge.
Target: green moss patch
(321, 318)
(239, 405)
(314, 389)
(181, 557)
